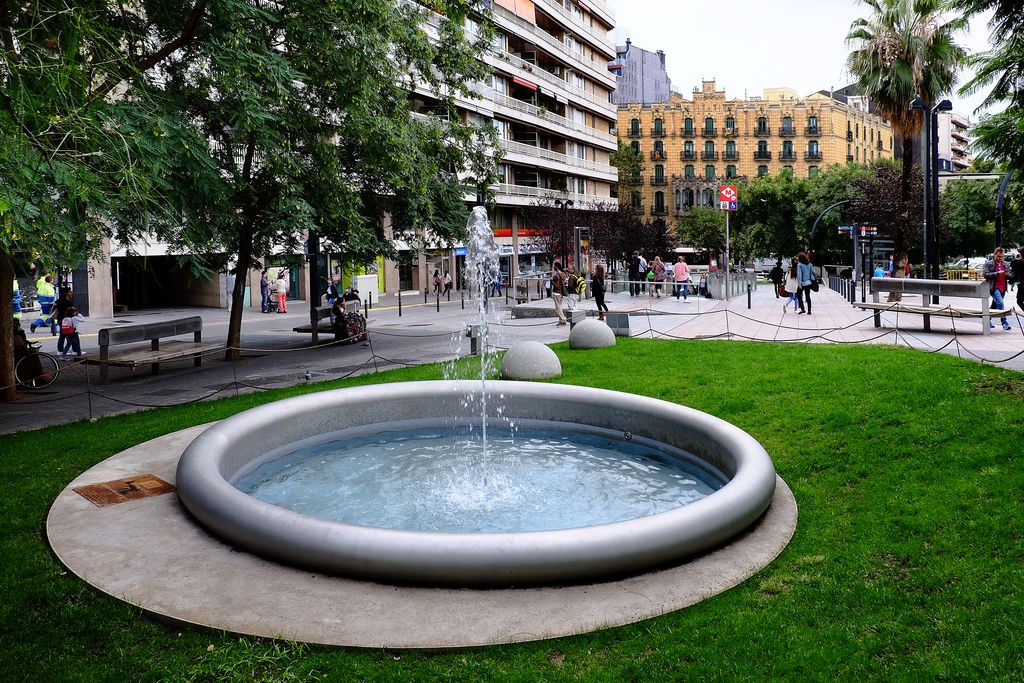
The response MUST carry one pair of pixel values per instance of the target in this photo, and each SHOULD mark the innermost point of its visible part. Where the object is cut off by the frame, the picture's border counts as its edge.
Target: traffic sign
(727, 198)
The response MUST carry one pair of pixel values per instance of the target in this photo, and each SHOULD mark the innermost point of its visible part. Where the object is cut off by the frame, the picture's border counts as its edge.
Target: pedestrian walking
(682, 273)
(633, 272)
(69, 326)
(597, 282)
(792, 288)
(658, 268)
(777, 275)
(996, 274)
(437, 282)
(559, 287)
(805, 275)
(446, 280)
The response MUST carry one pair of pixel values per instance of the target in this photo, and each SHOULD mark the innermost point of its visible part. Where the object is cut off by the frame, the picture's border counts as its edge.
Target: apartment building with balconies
(692, 146)
(954, 145)
(548, 99)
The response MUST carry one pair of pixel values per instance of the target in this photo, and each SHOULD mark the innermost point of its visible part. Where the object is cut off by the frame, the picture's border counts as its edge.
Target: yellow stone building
(691, 147)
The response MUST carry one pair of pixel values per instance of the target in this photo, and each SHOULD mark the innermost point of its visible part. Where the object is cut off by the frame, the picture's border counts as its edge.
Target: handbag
(814, 284)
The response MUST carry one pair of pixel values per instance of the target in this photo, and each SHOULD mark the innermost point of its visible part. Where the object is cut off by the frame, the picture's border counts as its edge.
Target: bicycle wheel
(28, 375)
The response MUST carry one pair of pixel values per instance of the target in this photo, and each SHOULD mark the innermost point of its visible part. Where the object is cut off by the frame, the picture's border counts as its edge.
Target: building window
(709, 147)
(762, 125)
(688, 149)
(708, 197)
(634, 127)
(659, 127)
(730, 171)
(787, 125)
(688, 126)
(679, 200)
(730, 150)
(636, 146)
(659, 202)
(659, 173)
(688, 197)
(856, 131)
(659, 147)
(709, 125)
(730, 125)
(812, 171)
(688, 171)
(812, 147)
(762, 147)
(762, 170)
(709, 172)
(787, 149)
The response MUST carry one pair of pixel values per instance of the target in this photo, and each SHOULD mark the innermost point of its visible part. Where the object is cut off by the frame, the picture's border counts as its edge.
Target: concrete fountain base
(150, 553)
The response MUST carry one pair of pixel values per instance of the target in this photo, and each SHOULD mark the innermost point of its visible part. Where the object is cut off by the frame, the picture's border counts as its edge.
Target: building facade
(954, 155)
(640, 75)
(691, 147)
(549, 100)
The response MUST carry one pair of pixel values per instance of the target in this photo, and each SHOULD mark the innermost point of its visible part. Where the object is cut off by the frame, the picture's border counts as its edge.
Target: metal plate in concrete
(150, 553)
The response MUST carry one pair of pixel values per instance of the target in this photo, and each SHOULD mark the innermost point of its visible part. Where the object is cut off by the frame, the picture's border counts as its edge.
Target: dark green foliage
(905, 565)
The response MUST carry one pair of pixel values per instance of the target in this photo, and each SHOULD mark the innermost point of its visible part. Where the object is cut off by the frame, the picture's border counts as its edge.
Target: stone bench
(156, 353)
(929, 289)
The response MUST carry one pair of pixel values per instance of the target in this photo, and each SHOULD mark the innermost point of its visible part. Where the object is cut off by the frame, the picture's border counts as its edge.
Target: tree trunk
(8, 390)
(244, 251)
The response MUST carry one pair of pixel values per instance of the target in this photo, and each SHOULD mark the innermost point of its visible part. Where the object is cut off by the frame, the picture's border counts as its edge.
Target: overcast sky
(748, 45)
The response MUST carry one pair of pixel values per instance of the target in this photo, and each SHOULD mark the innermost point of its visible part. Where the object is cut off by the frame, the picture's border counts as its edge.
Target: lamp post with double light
(930, 168)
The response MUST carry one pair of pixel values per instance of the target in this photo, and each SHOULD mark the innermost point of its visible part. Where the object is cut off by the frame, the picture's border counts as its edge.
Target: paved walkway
(274, 356)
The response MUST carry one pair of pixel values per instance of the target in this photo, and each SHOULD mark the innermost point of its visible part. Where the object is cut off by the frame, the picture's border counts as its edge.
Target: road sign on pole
(727, 198)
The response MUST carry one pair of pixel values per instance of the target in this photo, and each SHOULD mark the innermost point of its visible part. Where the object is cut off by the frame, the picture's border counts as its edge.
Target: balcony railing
(658, 155)
(881, 147)
(787, 132)
(709, 132)
(812, 131)
(709, 156)
(762, 132)
(528, 108)
(635, 133)
(849, 157)
(659, 211)
(849, 135)
(594, 70)
(536, 71)
(688, 155)
(541, 153)
(812, 156)
(658, 132)
(581, 28)
(659, 180)
(787, 156)
(762, 156)
(688, 133)
(530, 192)
(731, 156)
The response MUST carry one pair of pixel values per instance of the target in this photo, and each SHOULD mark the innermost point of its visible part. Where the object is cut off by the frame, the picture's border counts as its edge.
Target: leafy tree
(1000, 135)
(837, 183)
(967, 217)
(768, 214)
(79, 163)
(703, 227)
(630, 164)
(876, 201)
(905, 49)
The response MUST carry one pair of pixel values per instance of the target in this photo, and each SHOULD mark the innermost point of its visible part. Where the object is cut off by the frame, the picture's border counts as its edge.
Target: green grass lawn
(907, 563)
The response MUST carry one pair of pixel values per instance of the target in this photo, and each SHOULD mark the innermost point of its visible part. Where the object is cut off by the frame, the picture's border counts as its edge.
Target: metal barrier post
(424, 295)
(463, 299)
(399, 303)
(437, 301)
(366, 308)
(748, 297)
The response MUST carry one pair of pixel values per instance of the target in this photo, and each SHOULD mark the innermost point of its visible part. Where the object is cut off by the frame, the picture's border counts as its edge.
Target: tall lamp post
(930, 168)
(564, 205)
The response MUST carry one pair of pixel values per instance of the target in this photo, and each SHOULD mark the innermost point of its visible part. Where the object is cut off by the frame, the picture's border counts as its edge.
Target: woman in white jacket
(281, 289)
(792, 286)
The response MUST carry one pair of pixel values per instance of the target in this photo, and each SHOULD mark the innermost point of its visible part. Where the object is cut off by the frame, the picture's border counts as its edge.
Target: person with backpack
(777, 275)
(634, 274)
(69, 332)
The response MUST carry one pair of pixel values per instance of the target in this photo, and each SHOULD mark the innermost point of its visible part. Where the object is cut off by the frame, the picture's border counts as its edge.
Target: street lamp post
(564, 205)
(930, 168)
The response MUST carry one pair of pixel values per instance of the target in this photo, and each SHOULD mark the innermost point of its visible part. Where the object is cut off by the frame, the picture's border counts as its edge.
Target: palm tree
(903, 50)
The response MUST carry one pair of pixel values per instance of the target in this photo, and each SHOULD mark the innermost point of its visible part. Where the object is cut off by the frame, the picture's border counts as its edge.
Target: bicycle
(36, 369)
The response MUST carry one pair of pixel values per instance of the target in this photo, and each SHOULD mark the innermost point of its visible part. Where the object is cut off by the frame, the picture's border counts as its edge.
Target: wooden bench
(323, 321)
(927, 289)
(155, 354)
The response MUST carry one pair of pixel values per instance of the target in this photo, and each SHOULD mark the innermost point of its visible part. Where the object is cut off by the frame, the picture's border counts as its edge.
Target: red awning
(524, 83)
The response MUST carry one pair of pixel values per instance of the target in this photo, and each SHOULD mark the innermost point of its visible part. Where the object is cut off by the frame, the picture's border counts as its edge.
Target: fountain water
(398, 448)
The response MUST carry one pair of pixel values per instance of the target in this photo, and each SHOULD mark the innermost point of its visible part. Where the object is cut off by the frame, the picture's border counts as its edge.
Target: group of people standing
(795, 283)
(278, 286)
(655, 274)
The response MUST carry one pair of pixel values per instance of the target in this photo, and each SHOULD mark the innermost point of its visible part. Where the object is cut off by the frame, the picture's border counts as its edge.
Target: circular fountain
(725, 456)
